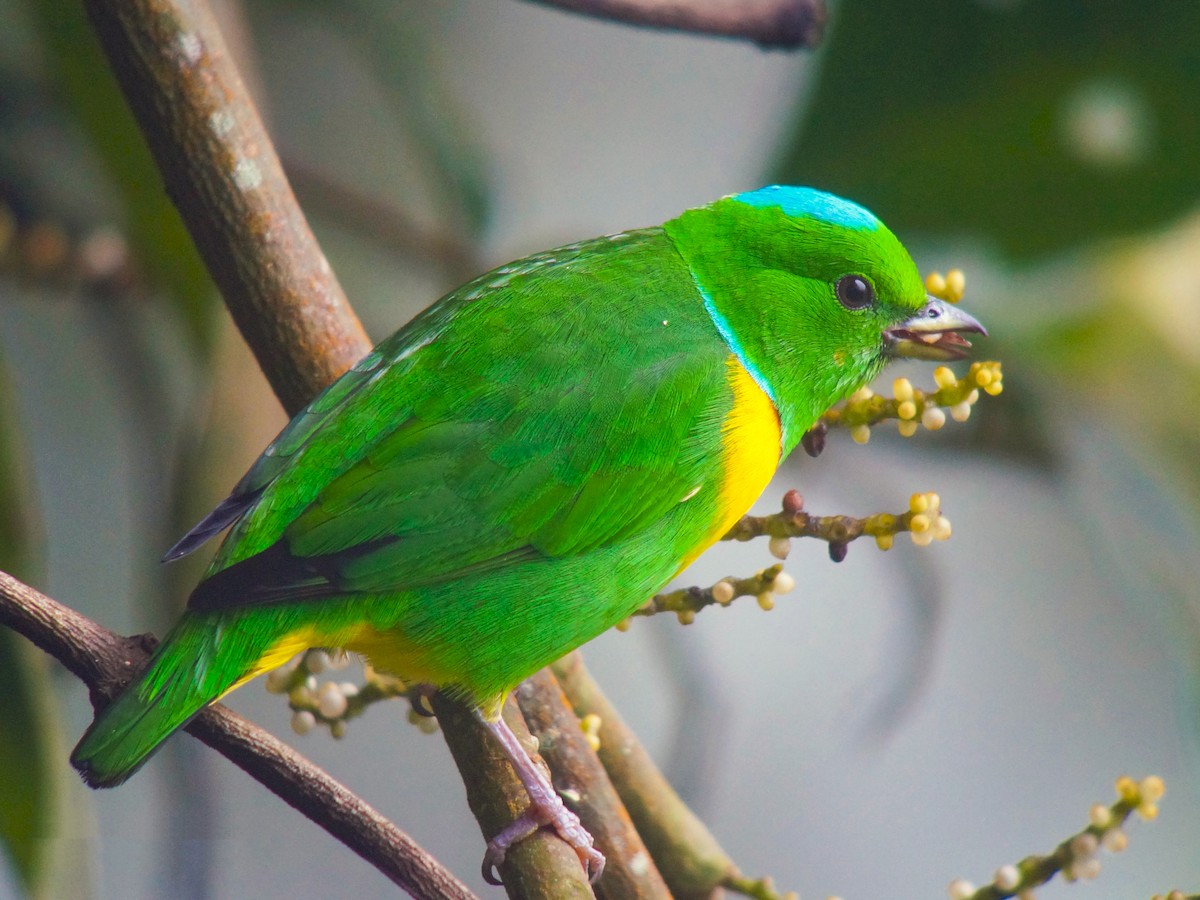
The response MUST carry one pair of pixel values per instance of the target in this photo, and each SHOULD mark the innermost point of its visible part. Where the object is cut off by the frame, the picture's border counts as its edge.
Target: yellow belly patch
(280, 652)
(387, 650)
(390, 651)
(750, 447)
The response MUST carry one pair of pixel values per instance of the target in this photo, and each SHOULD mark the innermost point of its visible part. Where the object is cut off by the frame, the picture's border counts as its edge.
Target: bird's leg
(545, 808)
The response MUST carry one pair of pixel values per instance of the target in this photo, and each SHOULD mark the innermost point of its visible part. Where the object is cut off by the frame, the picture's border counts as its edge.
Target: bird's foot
(545, 808)
(565, 823)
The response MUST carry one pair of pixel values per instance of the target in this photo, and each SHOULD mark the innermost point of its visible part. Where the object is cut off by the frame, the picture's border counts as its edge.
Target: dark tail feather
(226, 513)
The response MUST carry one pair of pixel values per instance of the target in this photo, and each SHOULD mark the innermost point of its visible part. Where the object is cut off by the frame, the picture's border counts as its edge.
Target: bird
(532, 457)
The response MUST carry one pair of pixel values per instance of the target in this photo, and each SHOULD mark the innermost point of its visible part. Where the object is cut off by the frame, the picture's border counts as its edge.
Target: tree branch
(221, 171)
(783, 24)
(579, 776)
(539, 867)
(105, 662)
(689, 857)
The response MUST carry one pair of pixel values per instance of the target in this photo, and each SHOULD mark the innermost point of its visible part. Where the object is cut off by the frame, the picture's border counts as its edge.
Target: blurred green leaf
(31, 748)
(1036, 125)
(81, 74)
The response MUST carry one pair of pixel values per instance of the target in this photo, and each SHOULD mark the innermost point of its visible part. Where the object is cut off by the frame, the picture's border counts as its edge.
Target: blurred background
(900, 719)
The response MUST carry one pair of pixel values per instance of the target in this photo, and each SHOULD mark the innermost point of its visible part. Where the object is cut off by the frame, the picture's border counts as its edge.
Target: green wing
(555, 405)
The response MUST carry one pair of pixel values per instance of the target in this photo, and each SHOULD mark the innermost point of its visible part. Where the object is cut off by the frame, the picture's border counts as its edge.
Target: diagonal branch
(783, 24)
(104, 661)
(220, 169)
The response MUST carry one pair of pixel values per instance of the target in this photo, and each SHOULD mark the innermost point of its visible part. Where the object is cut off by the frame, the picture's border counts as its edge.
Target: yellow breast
(751, 443)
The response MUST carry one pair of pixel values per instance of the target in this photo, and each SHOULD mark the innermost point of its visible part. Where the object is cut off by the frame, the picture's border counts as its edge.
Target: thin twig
(383, 222)
(783, 24)
(105, 661)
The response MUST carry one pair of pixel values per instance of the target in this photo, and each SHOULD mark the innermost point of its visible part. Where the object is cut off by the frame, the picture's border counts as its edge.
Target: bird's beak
(932, 333)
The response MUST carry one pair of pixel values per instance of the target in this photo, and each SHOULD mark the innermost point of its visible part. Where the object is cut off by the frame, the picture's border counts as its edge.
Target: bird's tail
(180, 680)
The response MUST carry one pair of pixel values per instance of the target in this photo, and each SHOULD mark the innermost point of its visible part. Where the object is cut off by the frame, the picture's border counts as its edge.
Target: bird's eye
(855, 292)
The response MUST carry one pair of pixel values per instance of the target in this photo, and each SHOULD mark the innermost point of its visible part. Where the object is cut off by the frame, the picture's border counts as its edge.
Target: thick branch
(585, 786)
(689, 857)
(221, 171)
(540, 867)
(105, 661)
(784, 24)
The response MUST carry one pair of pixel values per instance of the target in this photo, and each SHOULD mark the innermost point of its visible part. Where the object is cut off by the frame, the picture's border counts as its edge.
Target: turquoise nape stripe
(726, 332)
(804, 201)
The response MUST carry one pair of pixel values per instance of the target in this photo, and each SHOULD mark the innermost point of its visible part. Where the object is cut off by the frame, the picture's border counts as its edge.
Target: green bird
(529, 459)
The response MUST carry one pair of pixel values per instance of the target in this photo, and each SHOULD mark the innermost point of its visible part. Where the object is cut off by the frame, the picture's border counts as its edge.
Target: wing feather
(553, 412)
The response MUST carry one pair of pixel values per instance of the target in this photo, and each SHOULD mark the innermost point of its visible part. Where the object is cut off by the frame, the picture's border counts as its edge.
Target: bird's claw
(565, 823)
(592, 861)
(497, 848)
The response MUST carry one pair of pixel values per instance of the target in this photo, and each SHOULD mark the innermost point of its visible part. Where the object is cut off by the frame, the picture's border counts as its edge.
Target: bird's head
(814, 294)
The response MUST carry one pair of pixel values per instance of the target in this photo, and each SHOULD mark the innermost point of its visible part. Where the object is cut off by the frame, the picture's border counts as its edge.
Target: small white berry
(303, 721)
(331, 701)
(1088, 869)
(933, 418)
(1099, 815)
(783, 583)
(1084, 845)
(960, 889)
(779, 547)
(722, 592)
(1007, 877)
(1115, 841)
(941, 529)
(277, 680)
